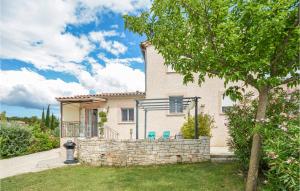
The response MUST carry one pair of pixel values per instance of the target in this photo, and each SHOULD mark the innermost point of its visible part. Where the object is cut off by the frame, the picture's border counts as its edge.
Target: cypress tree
(43, 120)
(52, 122)
(47, 121)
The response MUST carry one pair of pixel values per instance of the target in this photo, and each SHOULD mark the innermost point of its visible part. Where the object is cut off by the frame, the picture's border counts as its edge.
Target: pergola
(164, 104)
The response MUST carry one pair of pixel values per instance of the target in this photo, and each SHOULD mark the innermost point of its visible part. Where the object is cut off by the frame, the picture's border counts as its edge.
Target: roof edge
(102, 95)
(145, 44)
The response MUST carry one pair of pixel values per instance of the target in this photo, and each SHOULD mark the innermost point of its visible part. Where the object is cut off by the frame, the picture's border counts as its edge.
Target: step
(222, 157)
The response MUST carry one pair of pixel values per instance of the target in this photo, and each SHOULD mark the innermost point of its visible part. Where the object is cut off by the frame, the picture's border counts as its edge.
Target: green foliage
(3, 117)
(54, 122)
(241, 125)
(42, 124)
(282, 141)
(206, 123)
(103, 120)
(14, 141)
(249, 41)
(282, 157)
(281, 138)
(42, 141)
(28, 120)
(47, 120)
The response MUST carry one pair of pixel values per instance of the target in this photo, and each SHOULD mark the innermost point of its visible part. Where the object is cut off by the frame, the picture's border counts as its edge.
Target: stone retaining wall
(142, 152)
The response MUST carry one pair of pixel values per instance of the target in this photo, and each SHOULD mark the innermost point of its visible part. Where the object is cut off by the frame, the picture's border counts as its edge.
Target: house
(79, 114)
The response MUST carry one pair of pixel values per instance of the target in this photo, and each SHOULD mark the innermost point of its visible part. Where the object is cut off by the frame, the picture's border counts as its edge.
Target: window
(226, 104)
(176, 105)
(170, 69)
(127, 114)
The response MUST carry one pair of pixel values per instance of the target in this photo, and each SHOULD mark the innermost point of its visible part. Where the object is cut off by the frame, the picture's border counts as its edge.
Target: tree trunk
(251, 184)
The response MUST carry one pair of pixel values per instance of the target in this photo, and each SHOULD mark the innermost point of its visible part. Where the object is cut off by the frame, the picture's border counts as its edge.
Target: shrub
(42, 141)
(282, 156)
(281, 145)
(14, 141)
(240, 127)
(206, 123)
(281, 138)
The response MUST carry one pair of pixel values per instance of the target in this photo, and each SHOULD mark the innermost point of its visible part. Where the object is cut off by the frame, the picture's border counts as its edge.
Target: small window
(127, 114)
(170, 69)
(176, 105)
(227, 103)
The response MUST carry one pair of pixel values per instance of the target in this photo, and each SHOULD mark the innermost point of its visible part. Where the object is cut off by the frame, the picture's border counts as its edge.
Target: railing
(76, 129)
(109, 133)
(70, 129)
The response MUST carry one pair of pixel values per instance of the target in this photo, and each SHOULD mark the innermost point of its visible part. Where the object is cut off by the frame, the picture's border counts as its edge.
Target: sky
(54, 48)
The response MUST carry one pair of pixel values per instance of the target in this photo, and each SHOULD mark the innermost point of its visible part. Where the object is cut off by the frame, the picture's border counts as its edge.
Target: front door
(91, 122)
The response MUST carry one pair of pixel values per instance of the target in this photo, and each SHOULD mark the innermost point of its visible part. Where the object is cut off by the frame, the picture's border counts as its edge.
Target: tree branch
(291, 79)
(250, 80)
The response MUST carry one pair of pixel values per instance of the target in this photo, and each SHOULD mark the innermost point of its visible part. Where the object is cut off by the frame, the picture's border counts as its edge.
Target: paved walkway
(31, 163)
(52, 159)
(220, 151)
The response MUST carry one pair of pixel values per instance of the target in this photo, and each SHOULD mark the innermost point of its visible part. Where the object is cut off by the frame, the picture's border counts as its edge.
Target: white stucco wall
(161, 84)
(114, 116)
(70, 112)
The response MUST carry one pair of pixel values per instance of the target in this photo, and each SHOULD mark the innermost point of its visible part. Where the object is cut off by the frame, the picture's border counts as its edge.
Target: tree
(3, 117)
(43, 120)
(47, 121)
(255, 42)
(52, 122)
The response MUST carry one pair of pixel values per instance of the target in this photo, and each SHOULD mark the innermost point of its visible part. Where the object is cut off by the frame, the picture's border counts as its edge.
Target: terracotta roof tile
(145, 44)
(104, 95)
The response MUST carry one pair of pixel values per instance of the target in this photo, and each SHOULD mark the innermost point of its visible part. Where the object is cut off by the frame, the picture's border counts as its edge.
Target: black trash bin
(70, 147)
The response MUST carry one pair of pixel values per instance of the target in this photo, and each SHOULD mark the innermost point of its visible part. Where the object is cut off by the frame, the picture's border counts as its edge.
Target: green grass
(201, 176)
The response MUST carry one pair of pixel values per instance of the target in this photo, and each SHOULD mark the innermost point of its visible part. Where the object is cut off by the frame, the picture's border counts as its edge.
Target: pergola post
(61, 119)
(145, 131)
(137, 119)
(196, 118)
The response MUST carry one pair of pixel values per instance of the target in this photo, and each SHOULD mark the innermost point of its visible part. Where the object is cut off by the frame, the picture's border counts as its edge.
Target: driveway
(31, 163)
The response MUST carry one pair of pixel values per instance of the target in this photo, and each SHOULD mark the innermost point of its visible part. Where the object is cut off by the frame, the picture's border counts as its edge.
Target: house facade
(79, 114)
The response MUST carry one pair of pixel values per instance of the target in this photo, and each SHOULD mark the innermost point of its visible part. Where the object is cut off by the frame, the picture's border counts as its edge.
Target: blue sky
(63, 48)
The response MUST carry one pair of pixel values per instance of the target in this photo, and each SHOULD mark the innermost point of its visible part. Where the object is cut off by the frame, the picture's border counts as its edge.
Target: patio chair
(166, 135)
(151, 135)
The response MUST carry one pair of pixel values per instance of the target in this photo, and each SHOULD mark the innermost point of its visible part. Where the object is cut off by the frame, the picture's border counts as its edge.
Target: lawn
(201, 176)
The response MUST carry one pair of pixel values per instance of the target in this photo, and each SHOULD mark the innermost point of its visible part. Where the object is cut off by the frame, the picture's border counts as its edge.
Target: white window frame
(227, 105)
(178, 108)
(128, 114)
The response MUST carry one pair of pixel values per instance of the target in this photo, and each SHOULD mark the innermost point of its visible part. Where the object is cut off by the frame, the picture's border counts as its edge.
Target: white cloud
(29, 89)
(34, 32)
(125, 61)
(92, 7)
(113, 77)
(111, 46)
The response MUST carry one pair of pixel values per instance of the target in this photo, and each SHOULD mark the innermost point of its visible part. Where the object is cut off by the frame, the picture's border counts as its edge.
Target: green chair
(166, 135)
(151, 135)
